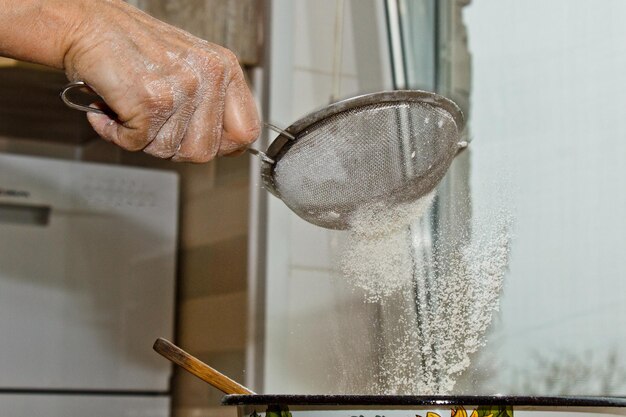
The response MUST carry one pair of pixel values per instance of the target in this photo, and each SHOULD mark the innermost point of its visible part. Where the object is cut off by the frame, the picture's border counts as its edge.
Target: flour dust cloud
(435, 301)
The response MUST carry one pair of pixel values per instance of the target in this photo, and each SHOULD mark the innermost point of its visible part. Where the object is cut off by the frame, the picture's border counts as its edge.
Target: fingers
(226, 121)
(203, 136)
(188, 133)
(167, 142)
(146, 112)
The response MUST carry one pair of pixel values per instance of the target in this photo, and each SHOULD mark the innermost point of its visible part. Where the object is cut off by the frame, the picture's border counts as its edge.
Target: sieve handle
(81, 85)
(262, 156)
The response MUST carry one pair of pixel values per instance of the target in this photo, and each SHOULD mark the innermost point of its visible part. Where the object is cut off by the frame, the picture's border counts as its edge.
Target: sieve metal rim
(283, 142)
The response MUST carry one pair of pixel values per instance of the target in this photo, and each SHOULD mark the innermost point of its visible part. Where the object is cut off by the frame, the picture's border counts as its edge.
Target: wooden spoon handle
(200, 369)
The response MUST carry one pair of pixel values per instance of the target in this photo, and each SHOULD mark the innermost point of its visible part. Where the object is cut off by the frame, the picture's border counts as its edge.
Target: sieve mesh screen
(387, 152)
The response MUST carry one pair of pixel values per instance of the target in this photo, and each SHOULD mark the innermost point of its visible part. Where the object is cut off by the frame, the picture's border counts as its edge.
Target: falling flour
(379, 257)
(435, 301)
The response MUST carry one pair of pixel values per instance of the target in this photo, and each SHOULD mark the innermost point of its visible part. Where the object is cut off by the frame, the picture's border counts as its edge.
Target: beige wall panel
(233, 24)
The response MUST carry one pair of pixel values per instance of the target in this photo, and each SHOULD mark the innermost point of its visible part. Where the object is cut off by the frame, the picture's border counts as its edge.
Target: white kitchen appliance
(87, 272)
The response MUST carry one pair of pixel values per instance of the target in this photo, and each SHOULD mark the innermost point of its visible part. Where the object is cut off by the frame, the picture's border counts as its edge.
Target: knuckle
(231, 63)
(221, 61)
(190, 83)
(156, 99)
(230, 59)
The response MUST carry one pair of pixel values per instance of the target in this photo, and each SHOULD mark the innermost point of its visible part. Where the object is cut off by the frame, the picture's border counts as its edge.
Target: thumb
(104, 125)
(241, 118)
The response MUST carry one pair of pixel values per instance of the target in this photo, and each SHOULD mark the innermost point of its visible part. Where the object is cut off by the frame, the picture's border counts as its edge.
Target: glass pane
(418, 31)
(543, 86)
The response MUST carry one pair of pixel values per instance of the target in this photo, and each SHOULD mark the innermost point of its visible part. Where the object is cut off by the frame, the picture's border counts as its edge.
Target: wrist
(39, 31)
(91, 26)
(78, 26)
(76, 16)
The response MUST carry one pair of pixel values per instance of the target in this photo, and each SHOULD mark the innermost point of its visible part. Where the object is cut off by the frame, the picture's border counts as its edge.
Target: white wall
(305, 304)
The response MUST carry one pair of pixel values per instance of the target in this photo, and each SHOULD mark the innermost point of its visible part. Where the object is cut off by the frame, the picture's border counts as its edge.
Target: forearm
(39, 31)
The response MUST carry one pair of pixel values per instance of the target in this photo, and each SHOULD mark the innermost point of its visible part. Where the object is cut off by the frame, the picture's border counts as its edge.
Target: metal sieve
(389, 147)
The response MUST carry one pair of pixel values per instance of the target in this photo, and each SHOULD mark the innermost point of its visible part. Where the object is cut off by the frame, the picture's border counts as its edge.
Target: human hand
(175, 96)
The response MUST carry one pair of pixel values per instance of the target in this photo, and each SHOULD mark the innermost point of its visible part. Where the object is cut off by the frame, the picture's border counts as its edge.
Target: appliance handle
(24, 214)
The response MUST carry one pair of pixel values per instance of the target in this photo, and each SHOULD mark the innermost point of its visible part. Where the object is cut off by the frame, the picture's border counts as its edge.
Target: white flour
(378, 256)
(435, 301)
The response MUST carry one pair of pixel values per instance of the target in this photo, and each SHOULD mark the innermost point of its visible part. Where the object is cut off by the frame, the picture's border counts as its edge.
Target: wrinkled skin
(175, 96)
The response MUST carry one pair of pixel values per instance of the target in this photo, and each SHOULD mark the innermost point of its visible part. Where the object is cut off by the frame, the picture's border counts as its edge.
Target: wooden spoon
(200, 369)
